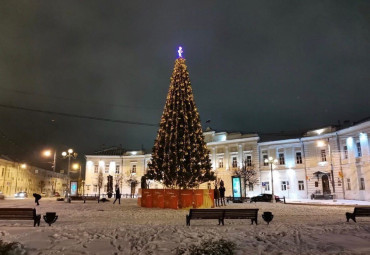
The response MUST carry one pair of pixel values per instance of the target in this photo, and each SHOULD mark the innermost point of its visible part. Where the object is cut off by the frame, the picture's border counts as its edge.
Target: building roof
(114, 151)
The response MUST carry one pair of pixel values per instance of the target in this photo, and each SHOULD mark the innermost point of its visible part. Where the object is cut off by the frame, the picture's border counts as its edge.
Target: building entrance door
(325, 184)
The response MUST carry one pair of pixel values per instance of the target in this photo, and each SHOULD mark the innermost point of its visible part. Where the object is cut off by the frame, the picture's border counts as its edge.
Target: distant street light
(272, 161)
(47, 153)
(77, 166)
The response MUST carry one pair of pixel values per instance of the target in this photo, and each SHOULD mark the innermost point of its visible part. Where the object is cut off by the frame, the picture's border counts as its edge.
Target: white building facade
(322, 162)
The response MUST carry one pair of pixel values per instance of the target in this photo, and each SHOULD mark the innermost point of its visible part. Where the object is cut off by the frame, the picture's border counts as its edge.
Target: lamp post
(69, 154)
(77, 166)
(272, 161)
(83, 188)
(48, 153)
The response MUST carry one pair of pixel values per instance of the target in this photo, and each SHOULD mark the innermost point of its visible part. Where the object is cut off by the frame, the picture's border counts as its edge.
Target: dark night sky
(255, 66)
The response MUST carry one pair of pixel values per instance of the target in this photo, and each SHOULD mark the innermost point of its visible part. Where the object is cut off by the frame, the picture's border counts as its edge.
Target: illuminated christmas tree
(180, 157)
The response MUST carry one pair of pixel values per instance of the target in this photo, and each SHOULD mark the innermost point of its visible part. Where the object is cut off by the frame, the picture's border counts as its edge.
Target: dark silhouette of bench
(250, 214)
(221, 214)
(358, 212)
(20, 214)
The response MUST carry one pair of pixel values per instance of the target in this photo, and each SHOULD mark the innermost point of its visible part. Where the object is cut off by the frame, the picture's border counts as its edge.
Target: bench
(250, 214)
(197, 214)
(20, 214)
(358, 212)
(221, 214)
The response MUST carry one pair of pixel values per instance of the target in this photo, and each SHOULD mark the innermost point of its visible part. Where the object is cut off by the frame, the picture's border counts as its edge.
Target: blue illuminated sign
(236, 187)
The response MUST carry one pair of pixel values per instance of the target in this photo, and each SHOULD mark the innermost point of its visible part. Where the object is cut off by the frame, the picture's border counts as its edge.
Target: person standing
(222, 193)
(37, 198)
(118, 195)
(216, 195)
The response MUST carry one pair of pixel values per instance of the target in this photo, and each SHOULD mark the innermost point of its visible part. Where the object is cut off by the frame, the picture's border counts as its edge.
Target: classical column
(214, 160)
(240, 155)
(226, 157)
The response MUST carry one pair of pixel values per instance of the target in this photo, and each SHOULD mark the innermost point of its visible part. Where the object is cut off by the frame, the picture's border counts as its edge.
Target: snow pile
(105, 228)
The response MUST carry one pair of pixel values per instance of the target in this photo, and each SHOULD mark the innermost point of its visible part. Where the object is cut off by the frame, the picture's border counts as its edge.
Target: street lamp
(272, 161)
(48, 153)
(69, 154)
(77, 166)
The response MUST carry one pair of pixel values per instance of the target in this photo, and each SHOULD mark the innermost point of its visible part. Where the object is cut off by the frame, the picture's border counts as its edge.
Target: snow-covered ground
(105, 228)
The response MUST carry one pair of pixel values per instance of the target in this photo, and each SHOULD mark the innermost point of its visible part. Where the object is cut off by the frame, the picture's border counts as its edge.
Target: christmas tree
(180, 158)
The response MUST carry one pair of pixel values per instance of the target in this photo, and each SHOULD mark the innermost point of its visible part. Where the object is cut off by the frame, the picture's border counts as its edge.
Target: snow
(104, 228)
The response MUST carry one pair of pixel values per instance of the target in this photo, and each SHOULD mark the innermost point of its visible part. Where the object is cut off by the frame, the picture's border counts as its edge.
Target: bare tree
(41, 185)
(247, 174)
(100, 182)
(119, 180)
(132, 182)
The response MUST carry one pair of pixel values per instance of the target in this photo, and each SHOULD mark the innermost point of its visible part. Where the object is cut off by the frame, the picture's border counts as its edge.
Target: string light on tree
(180, 157)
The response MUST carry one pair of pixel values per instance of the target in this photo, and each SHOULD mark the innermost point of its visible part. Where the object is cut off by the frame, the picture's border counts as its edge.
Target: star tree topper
(180, 52)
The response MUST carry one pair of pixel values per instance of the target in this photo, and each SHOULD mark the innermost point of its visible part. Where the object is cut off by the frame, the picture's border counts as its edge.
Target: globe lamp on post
(272, 161)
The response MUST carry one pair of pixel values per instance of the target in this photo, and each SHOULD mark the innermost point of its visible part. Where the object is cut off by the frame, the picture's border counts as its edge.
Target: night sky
(255, 66)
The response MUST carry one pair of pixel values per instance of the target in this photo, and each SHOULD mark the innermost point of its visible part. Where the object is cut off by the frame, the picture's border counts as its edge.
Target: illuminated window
(235, 162)
(323, 155)
(250, 185)
(362, 184)
(283, 185)
(117, 169)
(220, 162)
(348, 184)
(106, 169)
(2, 171)
(345, 150)
(87, 187)
(359, 153)
(249, 160)
(133, 169)
(96, 169)
(300, 185)
(281, 159)
(264, 157)
(298, 157)
(95, 188)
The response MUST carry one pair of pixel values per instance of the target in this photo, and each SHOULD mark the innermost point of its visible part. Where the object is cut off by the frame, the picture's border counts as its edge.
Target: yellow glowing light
(76, 166)
(70, 151)
(47, 153)
(23, 166)
(320, 144)
(64, 153)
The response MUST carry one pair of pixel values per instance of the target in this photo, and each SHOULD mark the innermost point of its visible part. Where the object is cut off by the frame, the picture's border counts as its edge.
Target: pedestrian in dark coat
(118, 195)
(37, 198)
(216, 195)
(222, 193)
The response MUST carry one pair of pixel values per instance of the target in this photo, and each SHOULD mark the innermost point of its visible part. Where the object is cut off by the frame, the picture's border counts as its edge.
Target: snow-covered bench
(20, 214)
(221, 214)
(358, 212)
